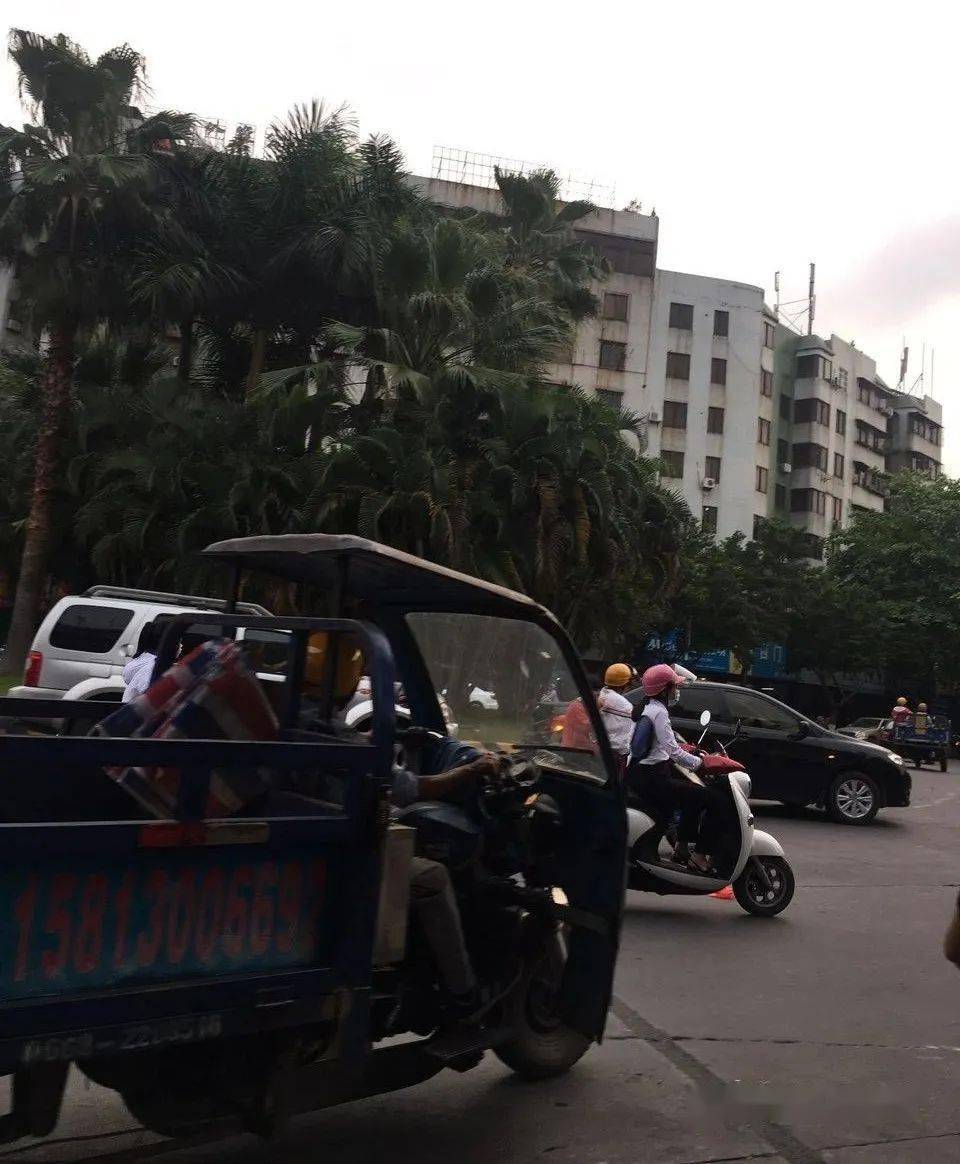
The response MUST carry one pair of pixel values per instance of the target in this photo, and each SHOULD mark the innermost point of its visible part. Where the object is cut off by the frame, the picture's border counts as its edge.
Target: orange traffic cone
(724, 894)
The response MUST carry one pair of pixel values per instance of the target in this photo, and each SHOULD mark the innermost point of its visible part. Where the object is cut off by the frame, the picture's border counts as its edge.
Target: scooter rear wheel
(757, 898)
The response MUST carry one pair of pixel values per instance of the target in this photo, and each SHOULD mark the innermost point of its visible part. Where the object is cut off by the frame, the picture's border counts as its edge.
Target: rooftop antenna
(930, 389)
(776, 289)
(904, 359)
(811, 298)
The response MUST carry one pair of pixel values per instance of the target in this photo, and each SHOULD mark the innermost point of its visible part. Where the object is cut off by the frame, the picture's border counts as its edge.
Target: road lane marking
(712, 1087)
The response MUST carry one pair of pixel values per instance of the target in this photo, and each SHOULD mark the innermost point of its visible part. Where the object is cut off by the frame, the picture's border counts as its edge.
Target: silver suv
(82, 645)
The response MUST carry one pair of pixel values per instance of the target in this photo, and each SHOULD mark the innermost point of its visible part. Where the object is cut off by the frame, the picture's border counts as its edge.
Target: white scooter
(760, 875)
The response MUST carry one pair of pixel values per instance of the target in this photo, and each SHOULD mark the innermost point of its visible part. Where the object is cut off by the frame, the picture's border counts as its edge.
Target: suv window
(94, 630)
(756, 711)
(267, 651)
(694, 700)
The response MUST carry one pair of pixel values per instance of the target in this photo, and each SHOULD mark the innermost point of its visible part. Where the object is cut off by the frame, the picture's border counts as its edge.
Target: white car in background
(83, 644)
(483, 700)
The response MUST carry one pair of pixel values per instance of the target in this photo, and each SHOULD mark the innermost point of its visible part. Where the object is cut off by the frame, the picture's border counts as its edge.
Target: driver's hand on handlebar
(487, 766)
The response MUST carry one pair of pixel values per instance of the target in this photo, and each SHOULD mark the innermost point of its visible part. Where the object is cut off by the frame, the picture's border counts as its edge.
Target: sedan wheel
(853, 799)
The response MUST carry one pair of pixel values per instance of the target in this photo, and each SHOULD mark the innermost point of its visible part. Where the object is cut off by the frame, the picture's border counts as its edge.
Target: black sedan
(792, 759)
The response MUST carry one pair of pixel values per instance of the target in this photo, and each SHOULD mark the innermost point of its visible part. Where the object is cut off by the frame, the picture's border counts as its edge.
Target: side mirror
(803, 730)
(705, 718)
(130, 650)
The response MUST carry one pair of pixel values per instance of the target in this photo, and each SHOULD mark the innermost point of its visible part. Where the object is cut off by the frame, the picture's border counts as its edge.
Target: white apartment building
(710, 397)
(748, 419)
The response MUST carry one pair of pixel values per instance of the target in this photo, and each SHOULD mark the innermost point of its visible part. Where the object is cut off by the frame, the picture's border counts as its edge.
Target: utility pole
(811, 299)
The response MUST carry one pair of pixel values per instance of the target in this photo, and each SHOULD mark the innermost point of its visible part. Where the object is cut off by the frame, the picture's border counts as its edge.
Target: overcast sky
(765, 135)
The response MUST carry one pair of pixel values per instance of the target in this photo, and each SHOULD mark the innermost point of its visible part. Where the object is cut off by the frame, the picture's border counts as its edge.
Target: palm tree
(540, 235)
(304, 230)
(73, 200)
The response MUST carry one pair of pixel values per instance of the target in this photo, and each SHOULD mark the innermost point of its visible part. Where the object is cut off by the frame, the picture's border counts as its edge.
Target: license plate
(90, 925)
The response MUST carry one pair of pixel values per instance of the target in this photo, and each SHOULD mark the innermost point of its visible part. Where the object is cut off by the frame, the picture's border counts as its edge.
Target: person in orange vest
(577, 729)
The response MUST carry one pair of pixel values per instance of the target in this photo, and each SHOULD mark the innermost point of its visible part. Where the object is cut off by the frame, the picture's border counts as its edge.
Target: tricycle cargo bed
(135, 933)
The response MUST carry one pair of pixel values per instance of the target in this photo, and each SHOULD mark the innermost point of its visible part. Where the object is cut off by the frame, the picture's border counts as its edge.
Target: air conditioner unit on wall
(653, 417)
(707, 483)
(786, 467)
(885, 409)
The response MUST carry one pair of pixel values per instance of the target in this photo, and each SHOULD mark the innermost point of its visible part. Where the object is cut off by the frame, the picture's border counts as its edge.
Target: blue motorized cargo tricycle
(251, 967)
(922, 738)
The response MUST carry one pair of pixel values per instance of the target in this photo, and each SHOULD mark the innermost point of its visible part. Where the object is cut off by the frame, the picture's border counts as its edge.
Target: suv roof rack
(161, 596)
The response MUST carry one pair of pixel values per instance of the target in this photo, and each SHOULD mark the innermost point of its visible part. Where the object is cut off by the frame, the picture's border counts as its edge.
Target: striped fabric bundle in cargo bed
(211, 694)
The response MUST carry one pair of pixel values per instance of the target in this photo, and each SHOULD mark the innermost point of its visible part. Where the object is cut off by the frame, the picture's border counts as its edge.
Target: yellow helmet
(902, 701)
(618, 675)
(349, 664)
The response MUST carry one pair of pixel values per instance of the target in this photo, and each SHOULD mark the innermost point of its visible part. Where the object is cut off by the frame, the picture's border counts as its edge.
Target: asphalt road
(827, 1036)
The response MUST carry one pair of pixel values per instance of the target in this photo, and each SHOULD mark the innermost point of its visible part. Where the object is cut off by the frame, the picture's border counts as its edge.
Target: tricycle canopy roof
(377, 574)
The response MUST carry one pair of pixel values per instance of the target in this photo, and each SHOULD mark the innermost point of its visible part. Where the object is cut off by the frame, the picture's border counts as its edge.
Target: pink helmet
(656, 678)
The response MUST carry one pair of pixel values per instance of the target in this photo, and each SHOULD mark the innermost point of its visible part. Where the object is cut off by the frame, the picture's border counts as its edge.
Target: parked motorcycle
(753, 862)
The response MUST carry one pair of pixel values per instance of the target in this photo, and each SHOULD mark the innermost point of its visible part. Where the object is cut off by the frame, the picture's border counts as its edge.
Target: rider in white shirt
(616, 710)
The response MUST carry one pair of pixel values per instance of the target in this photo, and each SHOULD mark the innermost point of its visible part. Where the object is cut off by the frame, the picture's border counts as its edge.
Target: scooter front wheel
(765, 898)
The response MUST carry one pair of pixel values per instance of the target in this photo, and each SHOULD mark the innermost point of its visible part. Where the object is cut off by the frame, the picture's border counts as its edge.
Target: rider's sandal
(699, 863)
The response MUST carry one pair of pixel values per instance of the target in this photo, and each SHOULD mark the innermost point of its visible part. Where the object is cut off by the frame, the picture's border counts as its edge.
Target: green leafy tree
(902, 567)
(73, 200)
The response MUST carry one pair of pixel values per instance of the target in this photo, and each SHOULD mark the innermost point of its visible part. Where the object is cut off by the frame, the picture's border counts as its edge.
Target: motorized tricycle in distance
(247, 966)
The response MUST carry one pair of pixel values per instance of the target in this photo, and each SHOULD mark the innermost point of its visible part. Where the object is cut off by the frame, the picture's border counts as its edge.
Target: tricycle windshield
(508, 684)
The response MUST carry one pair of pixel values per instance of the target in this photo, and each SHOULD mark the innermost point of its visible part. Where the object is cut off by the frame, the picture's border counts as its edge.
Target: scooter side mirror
(705, 718)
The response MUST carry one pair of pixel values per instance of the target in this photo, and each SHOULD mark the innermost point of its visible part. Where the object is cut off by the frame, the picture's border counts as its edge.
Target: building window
(838, 465)
(870, 437)
(811, 411)
(769, 334)
(712, 468)
(864, 393)
(671, 463)
(780, 497)
(721, 323)
(678, 366)
(810, 456)
(763, 479)
(842, 378)
(785, 406)
(718, 371)
(613, 355)
(708, 519)
(763, 431)
(681, 316)
(812, 367)
(615, 305)
(759, 521)
(837, 510)
(927, 429)
(841, 423)
(766, 382)
(783, 452)
(715, 420)
(611, 398)
(674, 414)
(808, 501)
